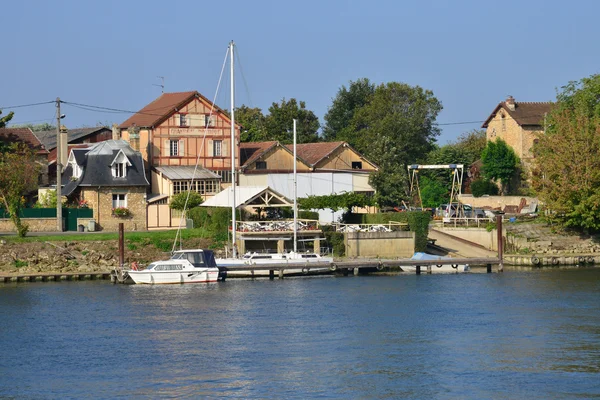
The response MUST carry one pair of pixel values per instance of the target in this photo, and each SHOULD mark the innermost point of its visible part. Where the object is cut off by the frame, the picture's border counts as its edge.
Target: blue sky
(471, 54)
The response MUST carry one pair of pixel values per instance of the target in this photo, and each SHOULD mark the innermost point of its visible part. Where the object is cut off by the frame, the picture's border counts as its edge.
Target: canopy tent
(249, 196)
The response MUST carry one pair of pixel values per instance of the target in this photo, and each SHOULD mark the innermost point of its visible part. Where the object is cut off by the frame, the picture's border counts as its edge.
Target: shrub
(178, 200)
(481, 187)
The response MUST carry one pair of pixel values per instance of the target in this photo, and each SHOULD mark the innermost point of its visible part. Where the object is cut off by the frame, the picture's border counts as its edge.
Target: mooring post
(489, 268)
(121, 245)
(345, 271)
(281, 274)
(429, 269)
(271, 274)
(355, 271)
(418, 270)
(500, 243)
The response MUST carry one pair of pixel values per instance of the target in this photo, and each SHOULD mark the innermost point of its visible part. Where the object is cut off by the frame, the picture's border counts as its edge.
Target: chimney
(116, 134)
(61, 154)
(510, 103)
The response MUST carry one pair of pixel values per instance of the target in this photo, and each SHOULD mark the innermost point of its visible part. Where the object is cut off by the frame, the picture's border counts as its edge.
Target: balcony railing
(277, 226)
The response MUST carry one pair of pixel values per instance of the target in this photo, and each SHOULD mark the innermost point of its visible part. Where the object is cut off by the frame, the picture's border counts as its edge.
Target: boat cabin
(198, 258)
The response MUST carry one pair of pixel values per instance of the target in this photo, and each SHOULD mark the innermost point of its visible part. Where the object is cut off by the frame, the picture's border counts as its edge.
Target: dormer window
(119, 165)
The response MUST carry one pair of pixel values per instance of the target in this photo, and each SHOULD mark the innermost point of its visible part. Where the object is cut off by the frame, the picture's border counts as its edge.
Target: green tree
(335, 202)
(396, 128)
(500, 163)
(18, 177)
(481, 187)
(345, 104)
(433, 192)
(470, 145)
(279, 122)
(178, 201)
(253, 124)
(4, 120)
(37, 127)
(566, 170)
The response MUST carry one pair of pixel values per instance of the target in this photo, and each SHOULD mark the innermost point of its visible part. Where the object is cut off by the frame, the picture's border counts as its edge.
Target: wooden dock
(341, 267)
(55, 277)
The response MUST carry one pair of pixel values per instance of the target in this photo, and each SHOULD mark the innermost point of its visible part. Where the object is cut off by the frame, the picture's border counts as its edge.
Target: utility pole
(59, 226)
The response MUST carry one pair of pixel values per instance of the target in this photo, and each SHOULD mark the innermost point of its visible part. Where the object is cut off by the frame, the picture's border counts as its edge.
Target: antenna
(162, 85)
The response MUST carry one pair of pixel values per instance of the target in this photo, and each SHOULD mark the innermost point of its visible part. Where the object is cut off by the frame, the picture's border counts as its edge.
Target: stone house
(27, 137)
(176, 132)
(518, 124)
(322, 169)
(106, 176)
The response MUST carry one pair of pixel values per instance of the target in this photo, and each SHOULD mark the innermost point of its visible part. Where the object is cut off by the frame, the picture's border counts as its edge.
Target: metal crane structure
(457, 180)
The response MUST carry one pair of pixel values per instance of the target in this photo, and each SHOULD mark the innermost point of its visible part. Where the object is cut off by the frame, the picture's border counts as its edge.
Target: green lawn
(130, 236)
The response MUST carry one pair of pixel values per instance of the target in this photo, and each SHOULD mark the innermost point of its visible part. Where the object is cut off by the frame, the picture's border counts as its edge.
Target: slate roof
(22, 135)
(52, 155)
(97, 167)
(525, 113)
(48, 138)
(163, 107)
(186, 173)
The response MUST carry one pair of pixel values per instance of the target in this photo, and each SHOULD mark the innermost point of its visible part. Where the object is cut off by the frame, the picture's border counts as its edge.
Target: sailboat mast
(295, 196)
(233, 180)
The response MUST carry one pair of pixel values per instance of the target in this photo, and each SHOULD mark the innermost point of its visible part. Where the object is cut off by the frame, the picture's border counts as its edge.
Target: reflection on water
(533, 334)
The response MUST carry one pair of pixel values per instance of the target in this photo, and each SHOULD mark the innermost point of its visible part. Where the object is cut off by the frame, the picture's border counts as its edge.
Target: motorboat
(437, 268)
(314, 263)
(184, 266)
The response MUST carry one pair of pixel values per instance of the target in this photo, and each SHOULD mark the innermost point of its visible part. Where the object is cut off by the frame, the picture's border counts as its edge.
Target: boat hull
(441, 269)
(174, 277)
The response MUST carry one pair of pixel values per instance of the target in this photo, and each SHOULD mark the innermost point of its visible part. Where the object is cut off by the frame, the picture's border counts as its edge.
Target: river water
(516, 335)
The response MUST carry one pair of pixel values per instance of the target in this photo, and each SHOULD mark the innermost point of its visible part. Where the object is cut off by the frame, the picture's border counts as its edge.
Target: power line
(27, 105)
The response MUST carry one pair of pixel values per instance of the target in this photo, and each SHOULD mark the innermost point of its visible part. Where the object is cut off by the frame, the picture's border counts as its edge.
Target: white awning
(249, 196)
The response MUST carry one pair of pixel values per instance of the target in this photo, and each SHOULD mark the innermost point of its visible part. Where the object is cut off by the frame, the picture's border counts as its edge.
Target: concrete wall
(380, 244)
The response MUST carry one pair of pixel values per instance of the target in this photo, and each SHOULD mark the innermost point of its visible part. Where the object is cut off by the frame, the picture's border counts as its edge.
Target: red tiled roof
(313, 153)
(251, 151)
(52, 154)
(160, 108)
(22, 135)
(525, 113)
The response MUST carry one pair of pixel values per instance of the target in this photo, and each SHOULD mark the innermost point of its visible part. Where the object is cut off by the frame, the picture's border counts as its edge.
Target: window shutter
(211, 148)
(177, 120)
(224, 148)
(167, 149)
(196, 120)
(181, 148)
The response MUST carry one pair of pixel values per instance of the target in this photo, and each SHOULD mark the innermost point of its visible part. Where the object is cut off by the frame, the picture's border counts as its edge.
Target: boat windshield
(196, 258)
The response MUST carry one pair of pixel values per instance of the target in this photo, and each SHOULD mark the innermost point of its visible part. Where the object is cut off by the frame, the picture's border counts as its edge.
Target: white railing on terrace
(277, 226)
(389, 227)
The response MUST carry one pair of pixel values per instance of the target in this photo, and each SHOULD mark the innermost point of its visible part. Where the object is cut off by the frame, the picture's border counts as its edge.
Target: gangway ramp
(459, 247)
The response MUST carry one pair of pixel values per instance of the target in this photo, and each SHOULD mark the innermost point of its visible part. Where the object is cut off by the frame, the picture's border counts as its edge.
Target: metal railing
(277, 226)
(389, 227)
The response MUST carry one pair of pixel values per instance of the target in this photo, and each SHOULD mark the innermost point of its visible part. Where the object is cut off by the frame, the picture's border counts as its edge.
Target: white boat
(184, 266)
(252, 258)
(437, 268)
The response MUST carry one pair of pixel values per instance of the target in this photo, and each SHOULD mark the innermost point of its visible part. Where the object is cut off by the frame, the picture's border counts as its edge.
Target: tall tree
(345, 104)
(18, 176)
(396, 128)
(253, 123)
(279, 122)
(566, 172)
(4, 120)
(500, 163)
(470, 145)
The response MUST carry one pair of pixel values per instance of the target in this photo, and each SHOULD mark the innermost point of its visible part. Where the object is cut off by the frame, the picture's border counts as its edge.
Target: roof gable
(524, 114)
(166, 105)
(313, 153)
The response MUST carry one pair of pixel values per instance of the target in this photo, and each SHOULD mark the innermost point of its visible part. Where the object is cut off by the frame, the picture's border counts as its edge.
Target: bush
(335, 240)
(178, 200)
(481, 187)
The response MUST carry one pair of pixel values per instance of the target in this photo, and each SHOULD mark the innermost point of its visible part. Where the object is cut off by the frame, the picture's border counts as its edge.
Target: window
(356, 164)
(119, 170)
(225, 175)
(183, 120)
(209, 120)
(174, 148)
(261, 165)
(217, 148)
(503, 122)
(119, 200)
